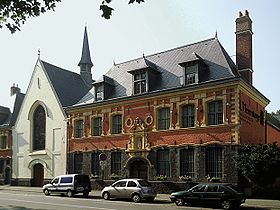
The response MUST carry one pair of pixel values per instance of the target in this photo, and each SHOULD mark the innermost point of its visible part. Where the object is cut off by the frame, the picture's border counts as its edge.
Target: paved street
(30, 198)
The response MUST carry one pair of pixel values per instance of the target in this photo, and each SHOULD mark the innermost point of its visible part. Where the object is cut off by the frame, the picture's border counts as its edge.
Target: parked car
(214, 194)
(69, 184)
(134, 189)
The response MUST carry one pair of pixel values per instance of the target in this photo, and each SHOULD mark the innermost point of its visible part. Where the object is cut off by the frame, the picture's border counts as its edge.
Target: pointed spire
(85, 59)
(216, 35)
(85, 63)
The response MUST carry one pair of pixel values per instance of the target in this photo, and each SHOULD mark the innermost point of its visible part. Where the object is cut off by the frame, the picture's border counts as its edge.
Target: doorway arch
(138, 168)
(38, 175)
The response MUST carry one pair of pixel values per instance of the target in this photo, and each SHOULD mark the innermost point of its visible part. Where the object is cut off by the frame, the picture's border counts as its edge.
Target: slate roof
(17, 105)
(273, 120)
(167, 63)
(69, 86)
(5, 115)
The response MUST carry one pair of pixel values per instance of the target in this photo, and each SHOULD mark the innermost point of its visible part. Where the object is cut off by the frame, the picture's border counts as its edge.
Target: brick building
(181, 112)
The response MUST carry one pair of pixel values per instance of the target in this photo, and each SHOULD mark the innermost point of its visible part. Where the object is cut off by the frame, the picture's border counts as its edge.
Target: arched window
(39, 128)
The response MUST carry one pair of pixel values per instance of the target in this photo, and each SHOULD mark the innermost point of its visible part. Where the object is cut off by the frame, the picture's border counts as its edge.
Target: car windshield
(232, 188)
(144, 183)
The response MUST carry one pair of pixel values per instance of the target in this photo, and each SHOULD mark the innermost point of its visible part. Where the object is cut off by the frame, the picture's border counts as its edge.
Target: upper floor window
(214, 161)
(116, 124)
(164, 118)
(3, 142)
(188, 116)
(215, 113)
(79, 128)
(96, 126)
(140, 82)
(39, 128)
(99, 93)
(191, 74)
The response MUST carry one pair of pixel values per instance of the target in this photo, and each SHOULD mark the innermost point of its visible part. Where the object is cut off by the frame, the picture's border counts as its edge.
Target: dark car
(209, 194)
(134, 189)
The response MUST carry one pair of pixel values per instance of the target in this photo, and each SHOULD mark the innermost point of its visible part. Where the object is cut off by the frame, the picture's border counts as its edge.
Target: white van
(69, 184)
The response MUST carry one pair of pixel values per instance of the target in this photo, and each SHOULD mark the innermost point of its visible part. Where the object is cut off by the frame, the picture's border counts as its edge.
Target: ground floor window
(78, 163)
(163, 167)
(95, 163)
(187, 162)
(214, 161)
(116, 163)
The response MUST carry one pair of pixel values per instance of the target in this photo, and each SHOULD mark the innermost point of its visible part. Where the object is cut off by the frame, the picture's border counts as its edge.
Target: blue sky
(151, 27)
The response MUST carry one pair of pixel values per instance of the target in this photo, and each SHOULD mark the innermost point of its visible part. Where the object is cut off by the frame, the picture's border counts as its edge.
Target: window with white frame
(191, 74)
(99, 92)
(96, 126)
(164, 118)
(187, 116)
(140, 82)
(79, 128)
(215, 112)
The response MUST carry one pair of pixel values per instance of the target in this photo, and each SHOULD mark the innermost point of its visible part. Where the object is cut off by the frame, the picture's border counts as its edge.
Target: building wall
(272, 134)
(53, 158)
(6, 157)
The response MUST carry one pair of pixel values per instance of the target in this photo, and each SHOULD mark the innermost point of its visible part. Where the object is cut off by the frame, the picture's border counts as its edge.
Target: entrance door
(139, 169)
(38, 175)
(7, 176)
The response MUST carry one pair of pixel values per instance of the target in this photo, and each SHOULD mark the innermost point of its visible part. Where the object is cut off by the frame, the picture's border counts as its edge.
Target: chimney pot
(246, 12)
(240, 14)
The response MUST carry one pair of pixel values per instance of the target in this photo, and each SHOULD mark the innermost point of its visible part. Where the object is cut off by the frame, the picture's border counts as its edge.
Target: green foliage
(14, 13)
(259, 163)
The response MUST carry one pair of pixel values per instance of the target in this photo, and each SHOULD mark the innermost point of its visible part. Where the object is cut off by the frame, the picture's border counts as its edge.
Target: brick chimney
(244, 46)
(14, 89)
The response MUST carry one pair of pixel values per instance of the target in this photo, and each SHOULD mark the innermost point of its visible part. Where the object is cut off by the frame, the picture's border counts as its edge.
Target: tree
(14, 13)
(259, 163)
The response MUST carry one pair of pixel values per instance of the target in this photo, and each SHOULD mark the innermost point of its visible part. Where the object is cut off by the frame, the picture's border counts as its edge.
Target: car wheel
(85, 193)
(226, 205)
(136, 198)
(106, 196)
(69, 193)
(179, 201)
(46, 192)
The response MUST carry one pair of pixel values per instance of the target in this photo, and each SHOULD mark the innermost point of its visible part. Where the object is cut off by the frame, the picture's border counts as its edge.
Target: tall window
(3, 142)
(96, 126)
(214, 161)
(99, 93)
(188, 116)
(215, 113)
(140, 83)
(39, 128)
(95, 165)
(163, 119)
(116, 163)
(163, 167)
(187, 162)
(191, 75)
(78, 163)
(117, 124)
(79, 128)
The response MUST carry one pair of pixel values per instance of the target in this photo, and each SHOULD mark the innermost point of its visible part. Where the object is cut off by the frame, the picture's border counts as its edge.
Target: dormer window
(99, 92)
(191, 74)
(140, 82)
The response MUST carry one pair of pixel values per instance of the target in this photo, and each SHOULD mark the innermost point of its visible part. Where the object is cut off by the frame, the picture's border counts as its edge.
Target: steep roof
(5, 115)
(69, 86)
(167, 63)
(17, 105)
